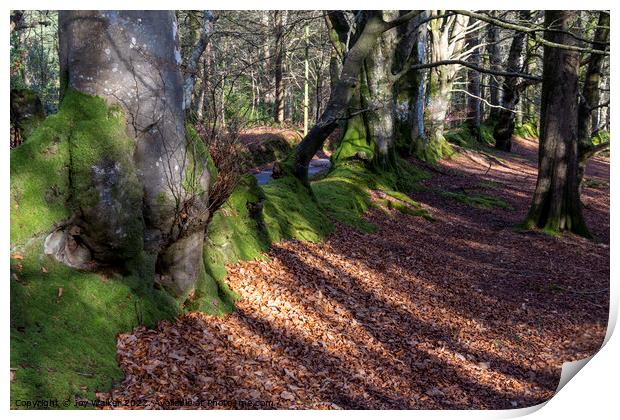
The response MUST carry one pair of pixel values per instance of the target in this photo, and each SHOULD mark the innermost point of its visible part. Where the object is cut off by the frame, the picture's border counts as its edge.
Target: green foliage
(601, 136)
(34, 64)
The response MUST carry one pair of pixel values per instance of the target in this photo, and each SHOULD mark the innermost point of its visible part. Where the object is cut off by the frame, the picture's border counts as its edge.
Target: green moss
(98, 142)
(198, 159)
(477, 200)
(344, 194)
(65, 347)
(463, 136)
(63, 344)
(355, 143)
(40, 179)
(236, 232)
(434, 150)
(290, 211)
(527, 131)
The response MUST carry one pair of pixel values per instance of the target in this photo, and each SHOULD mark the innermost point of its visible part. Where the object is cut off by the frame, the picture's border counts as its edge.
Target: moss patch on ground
(478, 200)
(344, 194)
(64, 325)
(462, 136)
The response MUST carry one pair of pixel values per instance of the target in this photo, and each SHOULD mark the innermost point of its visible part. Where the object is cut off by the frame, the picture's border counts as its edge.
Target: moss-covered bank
(64, 322)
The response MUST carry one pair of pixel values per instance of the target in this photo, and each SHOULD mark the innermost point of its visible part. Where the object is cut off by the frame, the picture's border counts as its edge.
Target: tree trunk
(473, 85)
(591, 94)
(306, 79)
(506, 120)
(381, 100)
(131, 59)
(494, 62)
(556, 205)
(337, 106)
(447, 39)
(278, 107)
(418, 81)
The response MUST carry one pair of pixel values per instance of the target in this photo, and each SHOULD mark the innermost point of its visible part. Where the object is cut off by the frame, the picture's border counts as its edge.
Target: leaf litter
(464, 312)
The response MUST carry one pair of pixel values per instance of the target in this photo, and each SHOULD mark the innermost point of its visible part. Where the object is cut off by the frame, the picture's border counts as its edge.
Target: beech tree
(336, 109)
(143, 197)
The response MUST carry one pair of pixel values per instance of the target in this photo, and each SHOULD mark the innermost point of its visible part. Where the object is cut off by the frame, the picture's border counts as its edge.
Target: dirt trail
(458, 313)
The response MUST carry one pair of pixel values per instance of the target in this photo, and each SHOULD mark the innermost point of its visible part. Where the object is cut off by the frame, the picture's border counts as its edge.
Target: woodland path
(458, 313)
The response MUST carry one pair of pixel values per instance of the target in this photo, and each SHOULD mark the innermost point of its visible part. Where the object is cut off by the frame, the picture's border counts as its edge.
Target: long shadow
(407, 324)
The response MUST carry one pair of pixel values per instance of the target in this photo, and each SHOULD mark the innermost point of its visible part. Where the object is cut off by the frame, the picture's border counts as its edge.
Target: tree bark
(447, 40)
(279, 66)
(494, 62)
(590, 95)
(381, 101)
(506, 120)
(473, 85)
(556, 205)
(131, 59)
(337, 106)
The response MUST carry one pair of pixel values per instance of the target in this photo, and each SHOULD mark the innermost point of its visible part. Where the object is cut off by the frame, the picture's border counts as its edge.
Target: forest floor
(461, 312)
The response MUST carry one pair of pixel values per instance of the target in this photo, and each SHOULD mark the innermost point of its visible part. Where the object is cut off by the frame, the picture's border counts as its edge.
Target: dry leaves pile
(460, 313)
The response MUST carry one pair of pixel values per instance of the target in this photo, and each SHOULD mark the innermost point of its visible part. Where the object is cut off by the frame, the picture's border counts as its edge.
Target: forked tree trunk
(131, 59)
(556, 205)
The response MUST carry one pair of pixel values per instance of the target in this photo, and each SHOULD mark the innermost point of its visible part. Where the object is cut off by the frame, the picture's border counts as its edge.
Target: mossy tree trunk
(447, 37)
(556, 205)
(381, 101)
(152, 196)
(379, 106)
(338, 103)
(590, 95)
(506, 119)
(410, 88)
